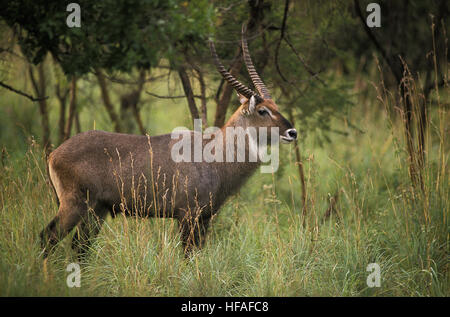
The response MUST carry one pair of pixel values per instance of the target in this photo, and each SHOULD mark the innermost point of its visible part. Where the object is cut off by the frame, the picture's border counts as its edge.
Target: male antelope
(95, 173)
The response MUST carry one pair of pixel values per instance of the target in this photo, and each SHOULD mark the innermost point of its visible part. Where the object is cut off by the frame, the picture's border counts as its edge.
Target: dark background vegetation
(366, 182)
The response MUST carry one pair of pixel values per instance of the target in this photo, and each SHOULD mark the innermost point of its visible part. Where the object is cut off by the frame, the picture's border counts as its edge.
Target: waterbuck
(97, 173)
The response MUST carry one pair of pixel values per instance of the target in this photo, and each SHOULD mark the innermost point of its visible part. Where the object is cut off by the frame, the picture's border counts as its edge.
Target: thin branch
(283, 32)
(386, 57)
(238, 36)
(283, 27)
(134, 83)
(308, 69)
(169, 97)
(34, 99)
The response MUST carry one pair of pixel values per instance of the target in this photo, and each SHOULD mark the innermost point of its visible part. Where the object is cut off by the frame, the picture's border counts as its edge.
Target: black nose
(292, 133)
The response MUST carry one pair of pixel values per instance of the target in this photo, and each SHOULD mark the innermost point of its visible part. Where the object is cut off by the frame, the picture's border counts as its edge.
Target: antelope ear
(251, 104)
(242, 99)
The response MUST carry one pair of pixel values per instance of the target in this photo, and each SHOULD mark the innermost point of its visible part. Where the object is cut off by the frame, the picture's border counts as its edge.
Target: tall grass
(258, 245)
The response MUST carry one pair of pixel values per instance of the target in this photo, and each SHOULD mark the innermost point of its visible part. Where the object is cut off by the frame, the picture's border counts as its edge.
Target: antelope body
(97, 173)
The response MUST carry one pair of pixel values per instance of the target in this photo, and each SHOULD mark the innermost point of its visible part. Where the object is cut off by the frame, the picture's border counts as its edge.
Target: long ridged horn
(240, 88)
(259, 85)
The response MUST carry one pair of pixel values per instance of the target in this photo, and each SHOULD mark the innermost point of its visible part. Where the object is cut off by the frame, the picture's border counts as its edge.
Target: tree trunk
(40, 89)
(72, 108)
(107, 101)
(129, 105)
(62, 97)
(77, 122)
(189, 93)
(203, 108)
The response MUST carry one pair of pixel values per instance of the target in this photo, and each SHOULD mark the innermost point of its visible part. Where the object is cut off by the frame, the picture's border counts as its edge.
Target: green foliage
(114, 35)
(320, 105)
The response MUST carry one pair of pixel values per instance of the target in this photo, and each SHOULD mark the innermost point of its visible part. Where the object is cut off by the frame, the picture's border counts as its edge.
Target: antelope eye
(262, 112)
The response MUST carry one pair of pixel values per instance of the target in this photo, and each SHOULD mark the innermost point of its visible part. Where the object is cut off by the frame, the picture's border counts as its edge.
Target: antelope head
(257, 108)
